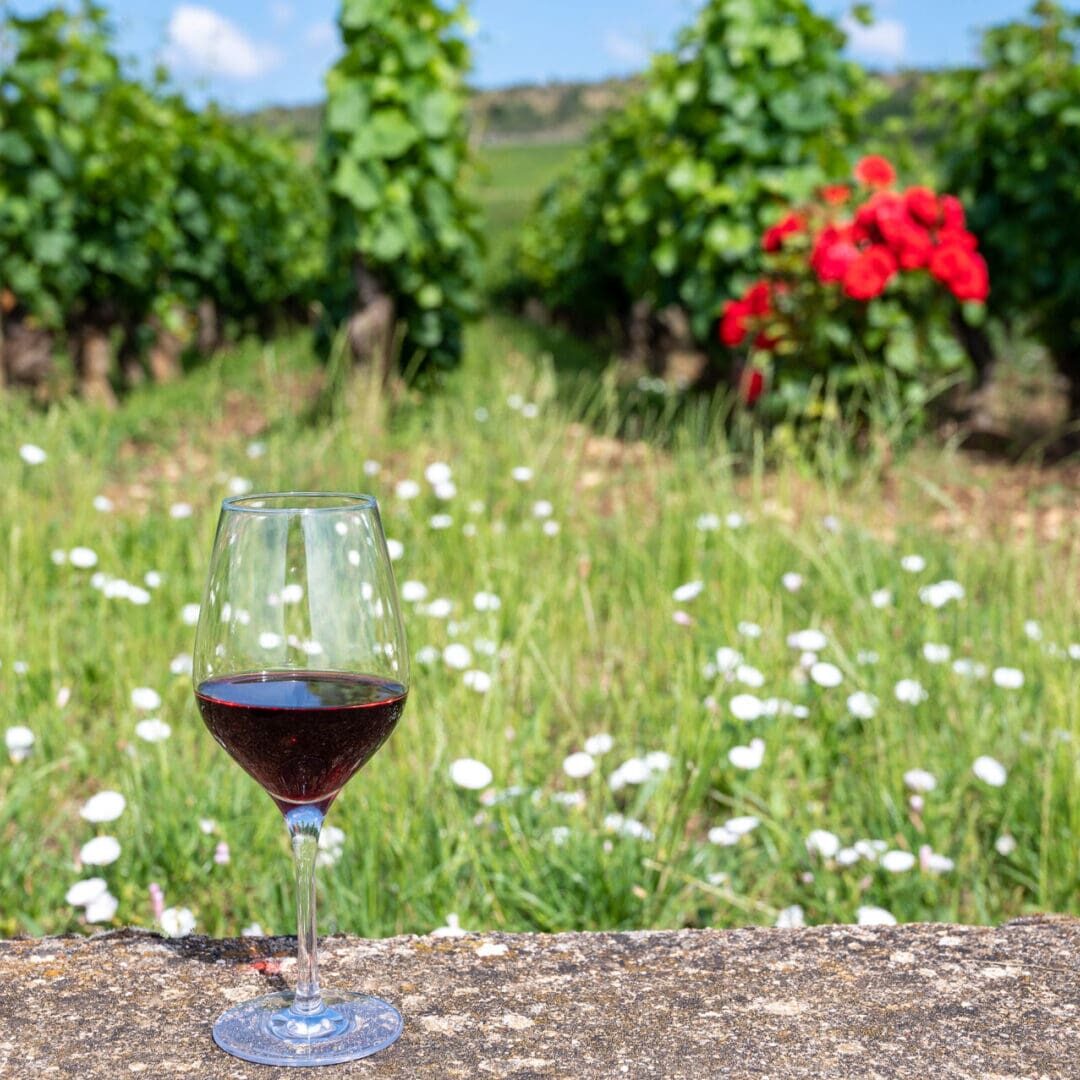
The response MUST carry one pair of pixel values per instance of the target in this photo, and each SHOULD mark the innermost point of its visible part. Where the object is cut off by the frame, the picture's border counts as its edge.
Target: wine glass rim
(299, 502)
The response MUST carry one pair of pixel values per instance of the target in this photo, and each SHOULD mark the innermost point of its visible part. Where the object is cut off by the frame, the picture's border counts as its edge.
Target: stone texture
(911, 1001)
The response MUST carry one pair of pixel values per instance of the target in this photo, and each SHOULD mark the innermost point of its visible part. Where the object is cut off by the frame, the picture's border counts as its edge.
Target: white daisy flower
(749, 676)
(868, 915)
(470, 774)
(990, 771)
(920, 780)
(86, 891)
(812, 641)
(438, 472)
(101, 851)
(177, 922)
(862, 705)
(688, 591)
(153, 730)
(746, 707)
(19, 741)
(749, 757)
(579, 765)
(83, 558)
(1008, 678)
(104, 806)
(457, 656)
(143, 697)
(910, 692)
(31, 454)
(599, 744)
(822, 842)
(480, 681)
(101, 909)
(897, 862)
(826, 675)
(727, 659)
(791, 918)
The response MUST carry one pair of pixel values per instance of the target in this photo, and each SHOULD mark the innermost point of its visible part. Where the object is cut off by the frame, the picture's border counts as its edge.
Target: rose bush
(862, 285)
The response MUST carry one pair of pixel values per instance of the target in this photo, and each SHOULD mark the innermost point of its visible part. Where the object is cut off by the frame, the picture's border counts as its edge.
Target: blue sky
(247, 53)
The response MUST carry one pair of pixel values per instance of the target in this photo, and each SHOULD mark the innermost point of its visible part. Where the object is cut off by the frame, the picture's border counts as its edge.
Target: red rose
(836, 194)
(757, 297)
(833, 254)
(957, 238)
(875, 172)
(952, 212)
(791, 225)
(922, 205)
(733, 323)
(963, 271)
(882, 206)
(909, 241)
(751, 385)
(867, 276)
(915, 251)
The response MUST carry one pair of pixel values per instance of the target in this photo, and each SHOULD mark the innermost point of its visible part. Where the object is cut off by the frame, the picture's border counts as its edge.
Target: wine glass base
(267, 1032)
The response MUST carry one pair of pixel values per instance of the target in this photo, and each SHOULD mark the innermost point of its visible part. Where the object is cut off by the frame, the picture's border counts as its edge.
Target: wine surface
(301, 734)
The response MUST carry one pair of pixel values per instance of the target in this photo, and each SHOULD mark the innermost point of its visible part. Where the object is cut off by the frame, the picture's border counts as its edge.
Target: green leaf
(356, 185)
(387, 243)
(15, 149)
(358, 14)
(798, 112)
(682, 179)
(901, 352)
(52, 248)
(785, 46)
(389, 134)
(666, 259)
(436, 114)
(430, 296)
(347, 109)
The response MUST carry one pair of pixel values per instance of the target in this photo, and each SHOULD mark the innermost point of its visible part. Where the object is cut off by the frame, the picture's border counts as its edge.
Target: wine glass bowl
(301, 674)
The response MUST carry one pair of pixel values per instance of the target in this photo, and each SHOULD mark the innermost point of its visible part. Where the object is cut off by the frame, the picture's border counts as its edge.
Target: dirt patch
(192, 458)
(612, 474)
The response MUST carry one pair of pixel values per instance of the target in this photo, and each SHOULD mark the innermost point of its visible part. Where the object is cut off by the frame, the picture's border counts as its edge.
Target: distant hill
(552, 112)
(549, 112)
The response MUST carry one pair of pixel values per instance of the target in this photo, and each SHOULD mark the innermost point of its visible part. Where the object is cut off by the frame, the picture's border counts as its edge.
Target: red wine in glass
(301, 734)
(301, 673)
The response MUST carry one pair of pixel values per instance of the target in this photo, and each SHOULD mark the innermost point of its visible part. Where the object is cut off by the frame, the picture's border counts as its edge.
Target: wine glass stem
(305, 823)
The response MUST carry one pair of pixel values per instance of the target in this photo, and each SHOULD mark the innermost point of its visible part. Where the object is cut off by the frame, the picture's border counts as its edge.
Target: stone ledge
(912, 1001)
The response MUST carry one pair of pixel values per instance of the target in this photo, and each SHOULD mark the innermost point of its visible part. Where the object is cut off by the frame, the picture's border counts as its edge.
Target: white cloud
(281, 13)
(321, 35)
(624, 50)
(201, 40)
(884, 40)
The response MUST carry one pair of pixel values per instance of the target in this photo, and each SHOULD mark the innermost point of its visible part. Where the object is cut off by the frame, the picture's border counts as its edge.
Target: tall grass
(587, 639)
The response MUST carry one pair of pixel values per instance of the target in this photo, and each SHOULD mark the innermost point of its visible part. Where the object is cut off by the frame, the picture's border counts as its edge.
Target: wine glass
(301, 673)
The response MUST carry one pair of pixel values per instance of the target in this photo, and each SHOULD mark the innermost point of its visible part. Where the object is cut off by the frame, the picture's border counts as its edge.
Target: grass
(585, 642)
(510, 177)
